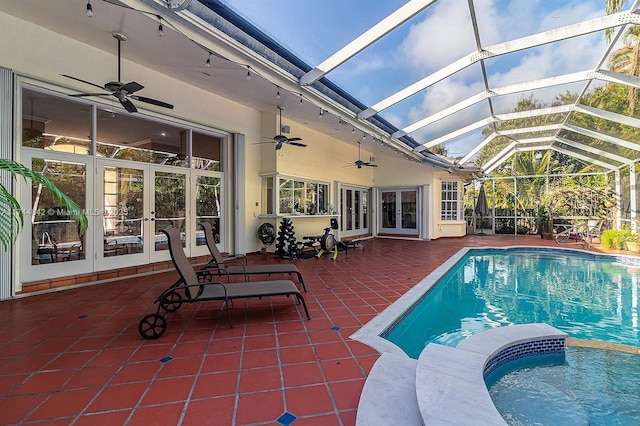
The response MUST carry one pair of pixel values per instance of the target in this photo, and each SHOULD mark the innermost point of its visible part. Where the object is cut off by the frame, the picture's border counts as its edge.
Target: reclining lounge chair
(221, 266)
(154, 325)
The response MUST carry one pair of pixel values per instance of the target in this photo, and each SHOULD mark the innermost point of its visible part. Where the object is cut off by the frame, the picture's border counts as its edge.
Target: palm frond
(11, 215)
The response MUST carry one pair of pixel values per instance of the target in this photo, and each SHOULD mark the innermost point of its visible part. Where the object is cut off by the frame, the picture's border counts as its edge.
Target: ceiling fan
(359, 163)
(124, 92)
(281, 139)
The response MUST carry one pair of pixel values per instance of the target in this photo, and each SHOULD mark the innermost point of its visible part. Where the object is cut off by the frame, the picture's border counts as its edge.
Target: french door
(399, 211)
(355, 211)
(138, 201)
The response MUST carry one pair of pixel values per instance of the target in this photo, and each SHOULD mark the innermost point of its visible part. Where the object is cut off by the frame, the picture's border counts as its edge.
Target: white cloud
(442, 37)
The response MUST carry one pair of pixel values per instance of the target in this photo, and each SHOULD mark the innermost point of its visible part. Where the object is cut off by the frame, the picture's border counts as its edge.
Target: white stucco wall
(43, 55)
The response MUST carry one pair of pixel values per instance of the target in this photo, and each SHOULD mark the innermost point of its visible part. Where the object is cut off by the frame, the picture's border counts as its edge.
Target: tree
(12, 215)
(626, 60)
(611, 7)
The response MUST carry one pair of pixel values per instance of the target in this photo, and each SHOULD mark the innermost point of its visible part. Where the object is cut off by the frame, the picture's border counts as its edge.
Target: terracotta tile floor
(75, 357)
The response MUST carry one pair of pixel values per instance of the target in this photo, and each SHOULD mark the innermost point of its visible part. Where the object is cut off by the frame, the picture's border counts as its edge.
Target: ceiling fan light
(89, 9)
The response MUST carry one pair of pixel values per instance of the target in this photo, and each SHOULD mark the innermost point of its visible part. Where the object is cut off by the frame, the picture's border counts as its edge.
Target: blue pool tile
(286, 419)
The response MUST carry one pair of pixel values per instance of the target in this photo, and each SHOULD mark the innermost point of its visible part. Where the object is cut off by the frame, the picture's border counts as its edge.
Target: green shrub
(614, 239)
(607, 239)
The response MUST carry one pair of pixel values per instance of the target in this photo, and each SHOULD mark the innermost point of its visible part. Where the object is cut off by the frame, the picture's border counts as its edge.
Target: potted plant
(544, 222)
(633, 239)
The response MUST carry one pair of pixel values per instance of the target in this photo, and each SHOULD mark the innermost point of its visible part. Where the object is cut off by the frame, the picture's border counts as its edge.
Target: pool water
(593, 297)
(592, 387)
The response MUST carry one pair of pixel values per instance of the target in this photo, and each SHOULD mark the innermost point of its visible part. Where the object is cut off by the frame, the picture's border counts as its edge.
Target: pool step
(446, 385)
(389, 394)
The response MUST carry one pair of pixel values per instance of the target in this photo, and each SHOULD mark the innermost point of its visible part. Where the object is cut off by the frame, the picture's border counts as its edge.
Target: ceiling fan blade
(294, 139)
(297, 144)
(128, 105)
(82, 81)
(131, 87)
(370, 165)
(79, 95)
(152, 101)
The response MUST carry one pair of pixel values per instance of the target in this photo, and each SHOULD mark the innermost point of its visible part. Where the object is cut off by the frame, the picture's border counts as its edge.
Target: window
(294, 196)
(450, 203)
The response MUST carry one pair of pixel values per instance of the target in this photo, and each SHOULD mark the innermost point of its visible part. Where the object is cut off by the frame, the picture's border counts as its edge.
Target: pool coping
(450, 382)
(369, 334)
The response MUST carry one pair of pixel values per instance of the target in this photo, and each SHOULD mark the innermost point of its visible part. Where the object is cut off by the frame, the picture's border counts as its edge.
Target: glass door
(138, 201)
(354, 208)
(399, 212)
(207, 203)
(167, 209)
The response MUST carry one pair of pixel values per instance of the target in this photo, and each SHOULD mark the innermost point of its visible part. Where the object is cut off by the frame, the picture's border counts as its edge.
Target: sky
(439, 35)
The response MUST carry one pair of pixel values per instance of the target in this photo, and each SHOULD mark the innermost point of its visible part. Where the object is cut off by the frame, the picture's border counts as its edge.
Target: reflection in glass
(55, 123)
(208, 206)
(123, 211)
(389, 209)
(56, 237)
(356, 209)
(365, 217)
(169, 206)
(207, 152)
(298, 197)
(349, 211)
(286, 196)
(408, 209)
(131, 137)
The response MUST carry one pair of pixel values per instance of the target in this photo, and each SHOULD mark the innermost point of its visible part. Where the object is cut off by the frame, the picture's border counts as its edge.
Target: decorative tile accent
(286, 419)
(335, 328)
(83, 316)
(523, 350)
(165, 359)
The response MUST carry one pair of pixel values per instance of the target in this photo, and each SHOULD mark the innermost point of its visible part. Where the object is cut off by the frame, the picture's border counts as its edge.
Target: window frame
(302, 189)
(450, 201)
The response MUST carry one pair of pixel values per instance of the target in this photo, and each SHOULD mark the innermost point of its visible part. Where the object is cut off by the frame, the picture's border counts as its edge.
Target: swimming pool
(589, 296)
(591, 387)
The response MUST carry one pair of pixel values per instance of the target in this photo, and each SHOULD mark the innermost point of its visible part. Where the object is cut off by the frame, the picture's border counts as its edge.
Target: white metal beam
(602, 137)
(517, 115)
(615, 77)
(478, 147)
(561, 109)
(382, 28)
(583, 157)
(533, 148)
(502, 160)
(456, 133)
(498, 158)
(506, 90)
(611, 116)
(593, 150)
(575, 30)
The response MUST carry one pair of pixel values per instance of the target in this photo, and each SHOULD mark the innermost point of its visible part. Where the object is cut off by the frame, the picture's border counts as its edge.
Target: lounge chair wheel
(152, 326)
(171, 302)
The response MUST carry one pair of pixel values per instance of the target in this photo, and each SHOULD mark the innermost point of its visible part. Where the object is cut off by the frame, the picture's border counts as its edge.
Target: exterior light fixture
(89, 9)
(207, 64)
(160, 27)
(248, 72)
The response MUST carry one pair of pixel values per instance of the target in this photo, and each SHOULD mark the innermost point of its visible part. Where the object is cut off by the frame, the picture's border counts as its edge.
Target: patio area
(75, 357)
